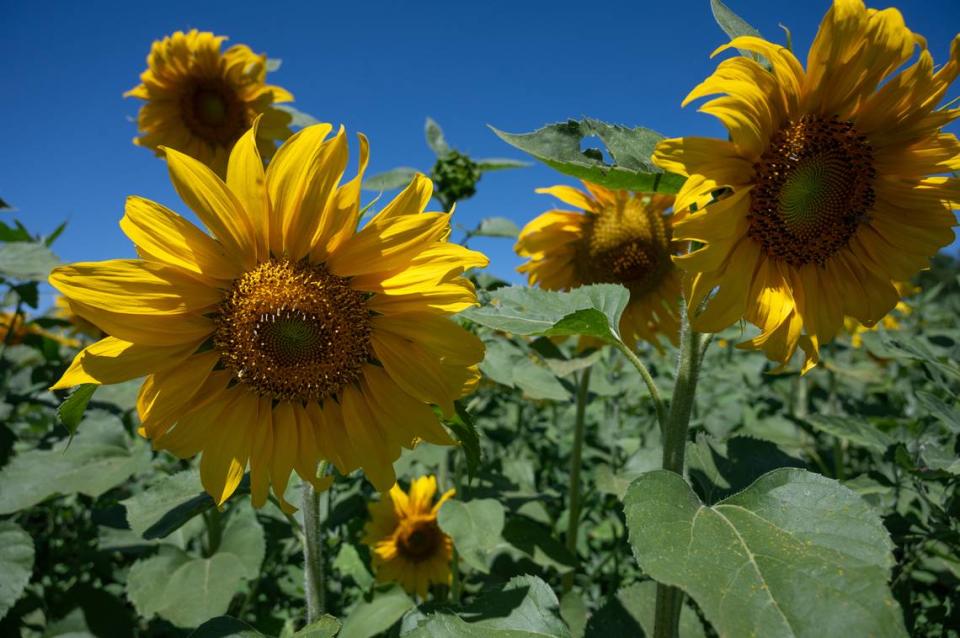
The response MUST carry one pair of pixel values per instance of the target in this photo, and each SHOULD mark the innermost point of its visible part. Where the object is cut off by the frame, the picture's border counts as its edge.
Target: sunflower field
(719, 398)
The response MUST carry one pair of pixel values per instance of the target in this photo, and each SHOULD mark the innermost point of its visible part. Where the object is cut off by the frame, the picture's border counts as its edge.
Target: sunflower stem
(670, 599)
(576, 458)
(648, 380)
(456, 580)
(315, 585)
(214, 523)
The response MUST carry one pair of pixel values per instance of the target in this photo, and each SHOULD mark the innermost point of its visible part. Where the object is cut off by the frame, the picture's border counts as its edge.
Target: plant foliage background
(101, 536)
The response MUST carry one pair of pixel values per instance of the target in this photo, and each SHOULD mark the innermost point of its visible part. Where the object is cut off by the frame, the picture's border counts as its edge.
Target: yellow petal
(291, 174)
(112, 360)
(164, 236)
(215, 205)
(133, 286)
(246, 179)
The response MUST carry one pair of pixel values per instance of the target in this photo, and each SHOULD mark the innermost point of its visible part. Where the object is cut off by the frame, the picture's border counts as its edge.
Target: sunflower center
(625, 244)
(418, 540)
(814, 187)
(293, 331)
(212, 111)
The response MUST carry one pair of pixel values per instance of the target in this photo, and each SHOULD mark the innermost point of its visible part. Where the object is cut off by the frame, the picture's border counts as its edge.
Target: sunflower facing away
(617, 237)
(287, 336)
(832, 174)
(200, 101)
(408, 546)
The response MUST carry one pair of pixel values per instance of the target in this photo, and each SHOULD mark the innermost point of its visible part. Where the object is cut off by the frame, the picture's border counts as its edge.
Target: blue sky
(376, 67)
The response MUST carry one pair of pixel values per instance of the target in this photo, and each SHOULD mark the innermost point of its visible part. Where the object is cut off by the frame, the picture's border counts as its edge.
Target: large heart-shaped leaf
(592, 311)
(795, 554)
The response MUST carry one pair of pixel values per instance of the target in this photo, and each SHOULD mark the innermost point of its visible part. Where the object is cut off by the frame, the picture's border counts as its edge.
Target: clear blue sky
(376, 67)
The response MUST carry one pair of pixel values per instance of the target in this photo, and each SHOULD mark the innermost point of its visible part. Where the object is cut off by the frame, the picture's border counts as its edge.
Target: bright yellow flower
(890, 321)
(830, 197)
(408, 546)
(289, 335)
(616, 237)
(200, 101)
(78, 325)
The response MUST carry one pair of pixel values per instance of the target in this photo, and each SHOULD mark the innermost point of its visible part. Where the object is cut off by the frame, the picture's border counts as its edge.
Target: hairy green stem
(670, 599)
(576, 459)
(648, 380)
(314, 574)
(214, 522)
(456, 579)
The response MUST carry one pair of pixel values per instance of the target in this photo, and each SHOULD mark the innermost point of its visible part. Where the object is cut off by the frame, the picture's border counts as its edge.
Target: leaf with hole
(559, 146)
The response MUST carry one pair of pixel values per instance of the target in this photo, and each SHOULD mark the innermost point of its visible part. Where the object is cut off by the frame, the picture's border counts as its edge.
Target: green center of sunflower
(814, 187)
(419, 540)
(293, 331)
(624, 244)
(212, 110)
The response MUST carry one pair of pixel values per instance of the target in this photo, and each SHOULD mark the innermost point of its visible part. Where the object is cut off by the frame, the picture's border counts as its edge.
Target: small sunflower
(14, 328)
(832, 181)
(200, 101)
(408, 546)
(616, 237)
(288, 336)
(890, 321)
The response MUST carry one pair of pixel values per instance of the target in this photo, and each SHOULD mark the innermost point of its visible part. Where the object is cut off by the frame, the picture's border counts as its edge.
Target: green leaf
(243, 537)
(525, 607)
(525, 603)
(537, 541)
(937, 407)
(326, 627)
(734, 26)
(372, 617)
(489, 164)
(557, 360)
(100, 457)
(166, 505)
(558, 146)
(435, 140)
(496, 227)
(16, 564)
(448, 626)
(531, 311)
(537, 382)
(856, 430)
(574, 612)
(475, 527)
(349, 563)
(633, 609)
(71, 410)
(225, 627)
(795, 554)
(31, 261)
(298, 119)
(184, 590)
(466, 432)
(390, 180)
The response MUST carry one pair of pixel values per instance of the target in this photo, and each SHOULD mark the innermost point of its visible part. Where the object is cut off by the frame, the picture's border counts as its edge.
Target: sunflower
(78, 325)
(616, 237)
(827, 192)
(15, 328)
(200, 101)
(890, 321)
(289, 335)
(408, 546)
